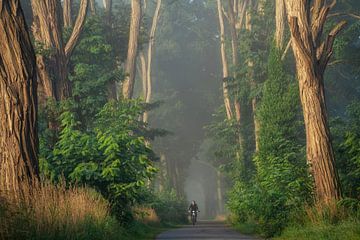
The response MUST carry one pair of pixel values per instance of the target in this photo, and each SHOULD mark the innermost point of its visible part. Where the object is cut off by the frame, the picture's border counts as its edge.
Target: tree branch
(294, 28)
(79, 24)
(328, 44)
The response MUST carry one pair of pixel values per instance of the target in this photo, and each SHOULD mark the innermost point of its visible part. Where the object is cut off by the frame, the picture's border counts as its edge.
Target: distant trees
(312, 55)
(18, 107)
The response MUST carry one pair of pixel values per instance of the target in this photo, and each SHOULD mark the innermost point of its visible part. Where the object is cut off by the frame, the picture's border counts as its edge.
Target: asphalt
(204, 230)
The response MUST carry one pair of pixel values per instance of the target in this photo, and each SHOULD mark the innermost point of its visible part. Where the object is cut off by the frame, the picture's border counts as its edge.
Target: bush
(170, 208)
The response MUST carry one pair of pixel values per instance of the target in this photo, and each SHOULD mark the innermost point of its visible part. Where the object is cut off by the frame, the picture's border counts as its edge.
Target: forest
(116, 114)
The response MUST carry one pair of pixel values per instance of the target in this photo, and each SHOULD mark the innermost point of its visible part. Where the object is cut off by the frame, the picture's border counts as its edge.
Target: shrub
(170, 208)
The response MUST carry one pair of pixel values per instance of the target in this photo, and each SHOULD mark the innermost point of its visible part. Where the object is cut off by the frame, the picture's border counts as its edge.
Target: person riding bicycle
(194, 208)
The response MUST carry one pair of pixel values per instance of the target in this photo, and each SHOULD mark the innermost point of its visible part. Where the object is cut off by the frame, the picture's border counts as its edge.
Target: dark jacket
(193, 207)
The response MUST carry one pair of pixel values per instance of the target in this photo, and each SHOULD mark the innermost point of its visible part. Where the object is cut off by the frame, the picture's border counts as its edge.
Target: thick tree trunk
(311, 57)
(128, 84)
(225, 68)
(67, 14)
(18, 107)
(280, 19)
(150, 56)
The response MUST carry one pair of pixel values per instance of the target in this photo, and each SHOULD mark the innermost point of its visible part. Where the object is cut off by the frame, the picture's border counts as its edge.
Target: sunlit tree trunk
(280, 19)
(18, 105)
(47, 31)
(150, 56)
(143, 72)
(225, 68)
(130, 66)
(312, 55)
(67, 7)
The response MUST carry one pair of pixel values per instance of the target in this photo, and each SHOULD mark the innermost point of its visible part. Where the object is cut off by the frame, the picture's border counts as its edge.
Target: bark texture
(18, 107)
(130, 66)
(53, 55)
(312, 55)
(67, 7)
(280, 19)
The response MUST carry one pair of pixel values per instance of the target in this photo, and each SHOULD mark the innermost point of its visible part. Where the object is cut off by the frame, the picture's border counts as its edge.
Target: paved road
(204, 231)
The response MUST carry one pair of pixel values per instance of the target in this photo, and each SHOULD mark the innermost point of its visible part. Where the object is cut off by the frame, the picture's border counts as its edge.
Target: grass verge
(49, 212)
(349, 230)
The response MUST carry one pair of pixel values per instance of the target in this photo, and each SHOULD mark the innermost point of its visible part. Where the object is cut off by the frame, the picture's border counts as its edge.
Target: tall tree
(130, 66)
(18, 107)
(148, 88)
(53, 55)
(225, 68)
(307, 20)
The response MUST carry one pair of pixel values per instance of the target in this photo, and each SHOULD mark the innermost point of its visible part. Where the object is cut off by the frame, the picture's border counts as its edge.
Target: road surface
(204, 230)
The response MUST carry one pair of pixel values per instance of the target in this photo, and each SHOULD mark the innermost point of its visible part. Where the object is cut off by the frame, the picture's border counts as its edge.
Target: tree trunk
(67, 14)
(234, 37)
(52, 68)
(47, 30)
(143, 72)
(248, 27)
(92, 7)
(150, 55)
(219, 192)
(128, 84)
(18, 108)
(108, 7)
(280, 19)
(225, 70)
(78, 27)
(312, 56)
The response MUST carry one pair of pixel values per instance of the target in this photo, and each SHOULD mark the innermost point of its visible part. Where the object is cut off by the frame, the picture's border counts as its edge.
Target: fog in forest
(116, 114)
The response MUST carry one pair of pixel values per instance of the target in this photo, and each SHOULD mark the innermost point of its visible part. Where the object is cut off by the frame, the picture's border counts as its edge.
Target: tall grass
(55, 212)
(336, 221)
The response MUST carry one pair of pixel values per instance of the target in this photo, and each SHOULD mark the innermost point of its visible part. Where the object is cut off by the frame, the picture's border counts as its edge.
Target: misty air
(180, 119)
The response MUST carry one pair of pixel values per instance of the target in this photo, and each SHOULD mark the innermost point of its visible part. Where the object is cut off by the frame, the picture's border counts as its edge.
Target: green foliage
(111, 156)
(281, 183)
(347, 149)
(93, 69)
(345, 230)
(169, 207)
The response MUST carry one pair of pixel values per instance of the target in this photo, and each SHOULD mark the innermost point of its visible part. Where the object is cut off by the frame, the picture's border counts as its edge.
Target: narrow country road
(204, 230)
